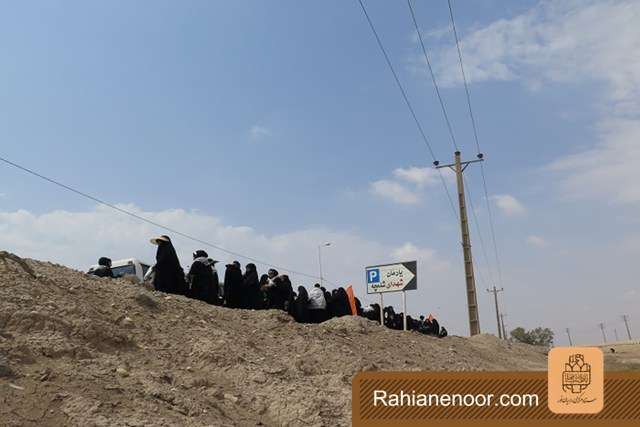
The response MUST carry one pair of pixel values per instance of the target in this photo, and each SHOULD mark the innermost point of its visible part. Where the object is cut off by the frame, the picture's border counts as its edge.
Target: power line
(455, 145)
(569, 335)
(472, 302)
(433, 77)
(491, 223)
(406, 100)
(141, 218)
(586, 329)
(477, 224)
(625, 319)
(464, 76)
(504, 329)
(495, 291)
(604, 335)
(482, 281)
(475, 135)
(451, 134)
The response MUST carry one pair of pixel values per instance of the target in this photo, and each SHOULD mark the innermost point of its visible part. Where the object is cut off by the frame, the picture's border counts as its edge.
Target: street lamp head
(327, 244)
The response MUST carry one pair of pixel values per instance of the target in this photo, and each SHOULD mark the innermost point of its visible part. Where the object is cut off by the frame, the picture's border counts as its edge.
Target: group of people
(393, 320)
(273, 290)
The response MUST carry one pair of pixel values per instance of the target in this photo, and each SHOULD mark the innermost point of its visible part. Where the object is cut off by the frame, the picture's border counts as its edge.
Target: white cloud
(407, 184)
(77, 239)
(420, 177)
(537, 241)
(607, 171)
(394, 191)
(578, 42)
(410, 252)
(557, 41)
(508, 204)
(259, 133)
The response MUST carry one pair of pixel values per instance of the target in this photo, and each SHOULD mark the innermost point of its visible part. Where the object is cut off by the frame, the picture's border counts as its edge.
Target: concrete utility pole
(495, 291)
(604, 336)
(615, 332)
(626, 324)
(472, 302)
(569, 335)
(504, 330)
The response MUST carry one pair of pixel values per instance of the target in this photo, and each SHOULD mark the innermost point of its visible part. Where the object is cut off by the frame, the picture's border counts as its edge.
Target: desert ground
(84, 351)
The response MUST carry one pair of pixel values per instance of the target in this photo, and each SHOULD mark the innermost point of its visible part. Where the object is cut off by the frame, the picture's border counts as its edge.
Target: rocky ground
(80, 350)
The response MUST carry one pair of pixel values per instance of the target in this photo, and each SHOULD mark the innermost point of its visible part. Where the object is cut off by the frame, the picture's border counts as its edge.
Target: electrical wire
(433, 77)
(156, 224)
(475, 135)
(451, 134)
(409, 106)
(477, 225)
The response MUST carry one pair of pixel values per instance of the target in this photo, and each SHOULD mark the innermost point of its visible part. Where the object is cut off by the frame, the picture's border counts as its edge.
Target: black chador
(168, 276)
(233, 281)
(250, 297)
(204, 285)
(301, 306)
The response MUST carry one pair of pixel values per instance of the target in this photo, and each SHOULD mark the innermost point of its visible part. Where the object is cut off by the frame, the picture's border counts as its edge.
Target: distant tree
(539, 336)
(519, 334)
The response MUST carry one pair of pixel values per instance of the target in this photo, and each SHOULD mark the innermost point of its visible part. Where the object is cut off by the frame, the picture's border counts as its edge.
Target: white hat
(157, 240)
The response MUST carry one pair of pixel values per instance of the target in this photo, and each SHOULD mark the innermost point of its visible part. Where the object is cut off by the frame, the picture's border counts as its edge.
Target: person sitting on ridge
(300, 309)
(233, 281)
(250, 297)
(103, 269)
(272, 290)
(203, 283)
(317, 305)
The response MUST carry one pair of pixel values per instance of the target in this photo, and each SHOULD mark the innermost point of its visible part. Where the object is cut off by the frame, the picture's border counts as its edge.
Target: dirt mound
(81, 350)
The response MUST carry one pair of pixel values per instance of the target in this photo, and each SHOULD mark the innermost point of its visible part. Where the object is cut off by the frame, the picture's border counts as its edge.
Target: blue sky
(269, 127)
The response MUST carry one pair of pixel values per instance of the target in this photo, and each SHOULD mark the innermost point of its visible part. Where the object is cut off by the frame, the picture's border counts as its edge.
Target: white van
(128, 267)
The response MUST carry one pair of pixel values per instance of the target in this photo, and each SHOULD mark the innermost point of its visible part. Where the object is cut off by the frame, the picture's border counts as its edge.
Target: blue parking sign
(373, 275)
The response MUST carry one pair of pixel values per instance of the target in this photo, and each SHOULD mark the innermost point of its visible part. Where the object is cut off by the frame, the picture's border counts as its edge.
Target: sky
(269, 128)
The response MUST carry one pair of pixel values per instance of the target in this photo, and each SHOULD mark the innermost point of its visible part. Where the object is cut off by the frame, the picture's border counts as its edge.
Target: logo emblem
(576, 380)
(577, 374)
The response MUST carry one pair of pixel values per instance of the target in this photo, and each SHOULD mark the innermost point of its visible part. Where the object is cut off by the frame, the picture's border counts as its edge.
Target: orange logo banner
(500, 398)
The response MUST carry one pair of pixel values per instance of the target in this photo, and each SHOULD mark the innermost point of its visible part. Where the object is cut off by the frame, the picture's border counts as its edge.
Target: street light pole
(320, 260)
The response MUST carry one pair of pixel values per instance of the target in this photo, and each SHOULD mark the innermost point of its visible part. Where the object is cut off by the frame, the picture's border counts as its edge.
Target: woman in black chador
(168, 275)
(251, 296)
(233, 281)
(301, 306)
(204, 284)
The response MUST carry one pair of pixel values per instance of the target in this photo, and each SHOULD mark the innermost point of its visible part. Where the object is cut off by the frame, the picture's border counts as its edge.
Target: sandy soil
(80, 350)
(626, 356)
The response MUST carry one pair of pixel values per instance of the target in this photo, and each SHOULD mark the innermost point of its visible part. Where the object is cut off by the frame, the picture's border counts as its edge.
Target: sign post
(404, 310)
(398, 277)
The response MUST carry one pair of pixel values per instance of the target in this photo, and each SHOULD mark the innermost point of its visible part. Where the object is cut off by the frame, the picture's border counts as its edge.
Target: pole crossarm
(464, 164)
